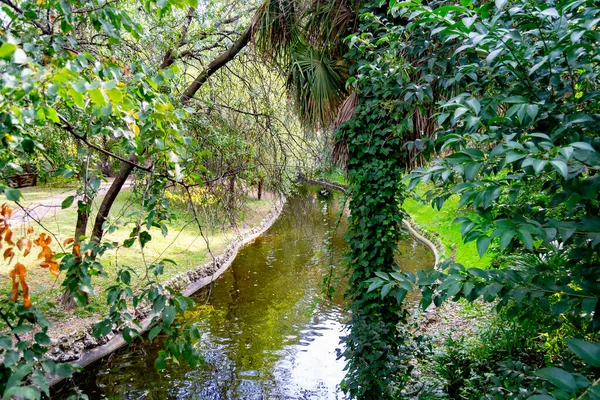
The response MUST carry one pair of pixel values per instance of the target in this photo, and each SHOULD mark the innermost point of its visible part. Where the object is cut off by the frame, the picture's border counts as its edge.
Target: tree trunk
(110, 197)
(231, 200)
(260, 189)
(216, 64)
(170, 55)
(83, 215)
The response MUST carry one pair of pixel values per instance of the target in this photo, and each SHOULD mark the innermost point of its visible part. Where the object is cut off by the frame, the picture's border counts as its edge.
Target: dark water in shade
(266, 332)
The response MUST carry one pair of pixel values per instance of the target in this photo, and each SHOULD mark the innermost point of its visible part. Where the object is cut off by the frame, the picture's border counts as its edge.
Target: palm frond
(276, 27)
(317, 84)
(327, 22)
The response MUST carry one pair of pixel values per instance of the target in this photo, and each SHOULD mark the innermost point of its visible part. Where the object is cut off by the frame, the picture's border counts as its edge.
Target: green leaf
(22, 329)
(375, 284)
(20, 57)
(97, 96)
(560, 167)
(168, 315)
(160, 364)
(526, 238)
(7, 50)
(102, 328)
(559, 378)
(500, 3)
(42, 338)
(587, 351)
(145, 237)
(25, 392)
(471, 171)
(159, 303)
(483, 242)
(386, 289)
(154, 332)
(10, 357)
(506, 238)
(115, 95)
(51, 114)
(64, 370)
(68, 202)
(12, 194)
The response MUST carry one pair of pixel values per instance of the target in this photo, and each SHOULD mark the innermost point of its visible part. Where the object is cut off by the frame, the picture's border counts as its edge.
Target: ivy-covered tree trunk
(377, 346)
(374, 344)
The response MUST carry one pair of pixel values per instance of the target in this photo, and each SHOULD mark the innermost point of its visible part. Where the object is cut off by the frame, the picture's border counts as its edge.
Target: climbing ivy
(375, 348)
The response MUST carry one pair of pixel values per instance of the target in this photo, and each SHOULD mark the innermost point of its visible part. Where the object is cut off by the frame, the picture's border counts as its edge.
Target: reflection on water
(265, 334)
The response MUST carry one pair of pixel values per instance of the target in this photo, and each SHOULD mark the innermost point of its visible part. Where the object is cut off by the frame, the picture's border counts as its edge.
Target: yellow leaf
(135, 129)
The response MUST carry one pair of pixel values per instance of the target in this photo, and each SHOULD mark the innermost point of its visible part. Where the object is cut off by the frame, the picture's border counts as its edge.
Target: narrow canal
(267, 332)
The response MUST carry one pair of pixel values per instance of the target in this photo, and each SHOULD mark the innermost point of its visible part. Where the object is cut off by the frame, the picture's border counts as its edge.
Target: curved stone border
(92, 349)
(413, 231)
(436, 248)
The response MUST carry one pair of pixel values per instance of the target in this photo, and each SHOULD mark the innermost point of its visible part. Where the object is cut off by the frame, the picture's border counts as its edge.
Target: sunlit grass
(439, 223)
(183, 244)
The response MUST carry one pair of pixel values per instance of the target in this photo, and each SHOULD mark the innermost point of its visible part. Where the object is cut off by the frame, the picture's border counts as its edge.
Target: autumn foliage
(22, 248)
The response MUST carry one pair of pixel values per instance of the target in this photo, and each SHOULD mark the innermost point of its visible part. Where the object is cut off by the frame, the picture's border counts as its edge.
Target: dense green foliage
(520, 120)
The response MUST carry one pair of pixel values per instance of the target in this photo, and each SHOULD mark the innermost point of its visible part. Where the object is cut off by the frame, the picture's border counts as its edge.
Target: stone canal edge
(187, 283)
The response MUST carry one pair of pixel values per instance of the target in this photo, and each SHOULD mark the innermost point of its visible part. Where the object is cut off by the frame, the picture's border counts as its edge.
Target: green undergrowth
(440, 224)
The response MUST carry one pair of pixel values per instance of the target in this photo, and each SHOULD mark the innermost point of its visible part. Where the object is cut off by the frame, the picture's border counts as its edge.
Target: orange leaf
(20, 270)
(68, 241)
(8, 237)
(48, 239)
(76, 250)
(26, 300)
(9, 253)
(54, 267)
(29, 229)
(15, 288)
(45, 254)
(6, 211)
(22, 243)
(40, 240)
(28, 248)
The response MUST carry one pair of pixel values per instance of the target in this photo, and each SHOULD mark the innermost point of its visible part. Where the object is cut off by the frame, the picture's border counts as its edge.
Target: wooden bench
(22, 180)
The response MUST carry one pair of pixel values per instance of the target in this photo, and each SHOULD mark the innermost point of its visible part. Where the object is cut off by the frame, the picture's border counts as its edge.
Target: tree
(518, 128)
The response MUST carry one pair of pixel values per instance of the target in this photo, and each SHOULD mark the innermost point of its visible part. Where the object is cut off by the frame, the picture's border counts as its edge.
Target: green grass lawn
(440, 223)
(183, 244)
(35, 194)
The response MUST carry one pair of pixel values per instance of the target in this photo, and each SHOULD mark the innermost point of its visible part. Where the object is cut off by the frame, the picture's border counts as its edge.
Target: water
(266, 332)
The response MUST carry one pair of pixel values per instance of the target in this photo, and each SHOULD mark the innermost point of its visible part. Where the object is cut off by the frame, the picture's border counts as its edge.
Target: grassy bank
(439, 223)
(183, 244)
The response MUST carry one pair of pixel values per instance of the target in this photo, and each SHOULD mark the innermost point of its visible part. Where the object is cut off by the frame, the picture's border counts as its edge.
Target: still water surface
(266, 332)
